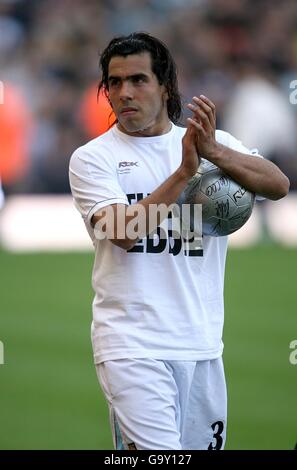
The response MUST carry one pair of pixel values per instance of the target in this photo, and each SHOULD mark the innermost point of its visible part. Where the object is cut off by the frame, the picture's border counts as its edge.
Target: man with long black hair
(158, 309)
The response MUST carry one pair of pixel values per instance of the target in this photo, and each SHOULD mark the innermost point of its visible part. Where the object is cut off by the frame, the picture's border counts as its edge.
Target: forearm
(153, 209)
(255, 174)
(140, 219)
(125, 225)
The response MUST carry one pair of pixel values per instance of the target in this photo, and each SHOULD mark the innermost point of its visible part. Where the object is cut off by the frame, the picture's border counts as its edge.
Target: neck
(150, 131)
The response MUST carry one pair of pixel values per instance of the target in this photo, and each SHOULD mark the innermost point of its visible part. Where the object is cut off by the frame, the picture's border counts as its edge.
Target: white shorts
(165, 404)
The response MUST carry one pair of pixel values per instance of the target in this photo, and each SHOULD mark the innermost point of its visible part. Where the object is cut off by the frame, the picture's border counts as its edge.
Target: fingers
(204, 111)
(194, 124)
(208, 101)
(208, 107)
(190, 134)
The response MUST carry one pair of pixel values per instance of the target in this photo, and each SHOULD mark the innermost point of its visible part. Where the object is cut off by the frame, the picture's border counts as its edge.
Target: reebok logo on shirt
(126, 167)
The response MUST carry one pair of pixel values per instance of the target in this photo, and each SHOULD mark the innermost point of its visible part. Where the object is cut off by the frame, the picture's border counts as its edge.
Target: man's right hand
(190, 157)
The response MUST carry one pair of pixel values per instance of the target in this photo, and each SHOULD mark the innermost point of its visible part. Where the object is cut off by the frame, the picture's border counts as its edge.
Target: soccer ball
(226, 205)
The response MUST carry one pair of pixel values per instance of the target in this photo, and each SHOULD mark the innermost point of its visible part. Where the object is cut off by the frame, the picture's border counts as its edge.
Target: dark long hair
(163, 65)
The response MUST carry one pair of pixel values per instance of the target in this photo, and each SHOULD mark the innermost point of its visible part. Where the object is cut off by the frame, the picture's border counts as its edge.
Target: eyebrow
(135, 75)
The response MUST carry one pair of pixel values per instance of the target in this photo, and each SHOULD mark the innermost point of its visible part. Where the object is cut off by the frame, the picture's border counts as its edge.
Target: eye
(138, 79)
(113, 82)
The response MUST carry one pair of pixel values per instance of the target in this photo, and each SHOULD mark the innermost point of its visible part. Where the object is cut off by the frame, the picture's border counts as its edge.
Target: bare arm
(255, 174)
(167, 193)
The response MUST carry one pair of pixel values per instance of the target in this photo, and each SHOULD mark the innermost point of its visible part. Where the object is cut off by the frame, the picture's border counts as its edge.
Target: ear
(165, 96)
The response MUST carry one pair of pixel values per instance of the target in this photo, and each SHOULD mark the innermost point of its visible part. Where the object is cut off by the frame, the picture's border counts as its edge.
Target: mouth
(128, 111)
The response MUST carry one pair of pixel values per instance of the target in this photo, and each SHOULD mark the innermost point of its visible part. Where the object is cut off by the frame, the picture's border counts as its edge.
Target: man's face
(137, 98)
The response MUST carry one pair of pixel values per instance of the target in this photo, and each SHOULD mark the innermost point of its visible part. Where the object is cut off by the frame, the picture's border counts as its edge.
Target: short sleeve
(237, 145)
(94, 183)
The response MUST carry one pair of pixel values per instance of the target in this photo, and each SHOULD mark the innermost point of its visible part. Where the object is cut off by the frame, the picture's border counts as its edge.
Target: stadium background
(240, 53)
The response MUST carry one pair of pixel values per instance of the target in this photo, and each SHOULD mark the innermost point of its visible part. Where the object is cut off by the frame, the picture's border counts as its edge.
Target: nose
(126, 90)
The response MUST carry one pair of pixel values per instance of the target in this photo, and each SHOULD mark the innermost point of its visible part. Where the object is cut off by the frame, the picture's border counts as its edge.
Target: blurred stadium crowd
(240, 53)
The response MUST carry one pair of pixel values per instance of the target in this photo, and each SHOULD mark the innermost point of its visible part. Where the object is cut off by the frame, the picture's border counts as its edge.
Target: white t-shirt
(159, 301)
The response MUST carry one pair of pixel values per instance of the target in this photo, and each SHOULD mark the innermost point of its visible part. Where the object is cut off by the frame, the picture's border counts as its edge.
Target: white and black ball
(226, 205)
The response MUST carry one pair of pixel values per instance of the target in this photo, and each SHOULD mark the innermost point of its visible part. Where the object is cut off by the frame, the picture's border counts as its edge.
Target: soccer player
(158, 307)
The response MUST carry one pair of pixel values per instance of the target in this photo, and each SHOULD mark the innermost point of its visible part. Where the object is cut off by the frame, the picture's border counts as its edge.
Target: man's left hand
(204, 122)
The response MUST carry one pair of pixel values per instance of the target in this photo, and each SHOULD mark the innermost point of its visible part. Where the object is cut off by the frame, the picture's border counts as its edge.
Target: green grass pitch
(49, 396)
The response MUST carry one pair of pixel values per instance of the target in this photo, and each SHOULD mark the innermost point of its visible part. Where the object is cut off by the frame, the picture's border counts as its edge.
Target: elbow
(286, 186)
(125, 243)
(282, 188)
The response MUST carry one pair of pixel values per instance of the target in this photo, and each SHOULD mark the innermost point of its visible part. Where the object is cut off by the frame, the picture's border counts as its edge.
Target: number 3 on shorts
(218, 428)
